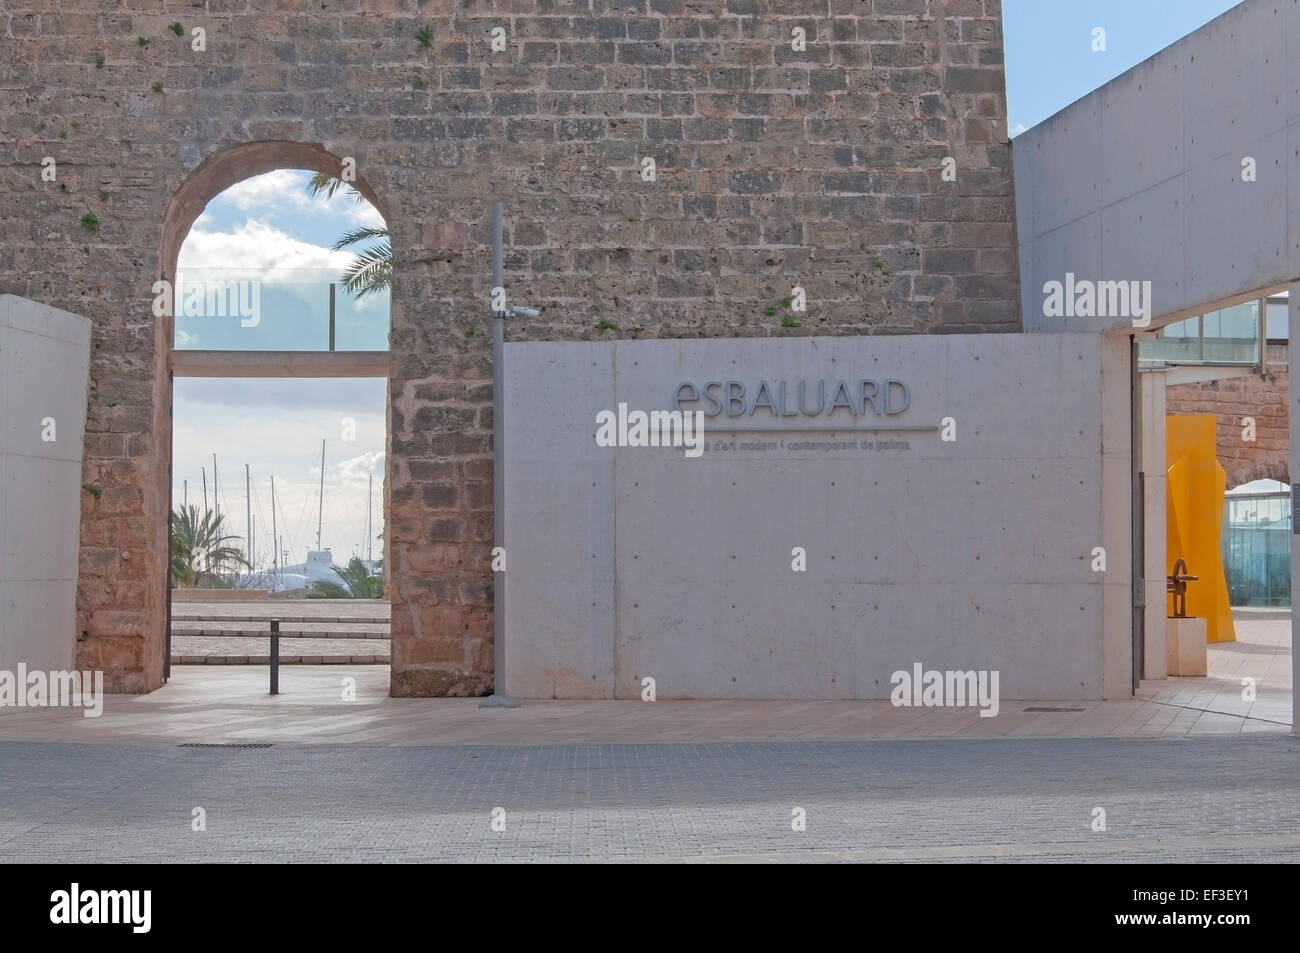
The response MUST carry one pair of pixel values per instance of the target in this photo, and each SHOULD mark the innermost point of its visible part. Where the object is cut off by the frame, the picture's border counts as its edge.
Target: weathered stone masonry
(820, 168)
(1263, 400)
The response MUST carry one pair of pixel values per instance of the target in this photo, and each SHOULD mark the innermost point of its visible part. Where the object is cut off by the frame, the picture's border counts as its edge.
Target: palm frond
(361, 233)
(323, 182)
(372, 270)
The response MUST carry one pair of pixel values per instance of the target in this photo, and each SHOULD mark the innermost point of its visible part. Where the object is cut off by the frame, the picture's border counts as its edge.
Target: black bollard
(275, 656)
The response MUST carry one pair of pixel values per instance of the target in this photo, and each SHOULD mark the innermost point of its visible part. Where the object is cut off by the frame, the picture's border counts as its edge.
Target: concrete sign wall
(959, 536)
(1181, 172)
(44, 360)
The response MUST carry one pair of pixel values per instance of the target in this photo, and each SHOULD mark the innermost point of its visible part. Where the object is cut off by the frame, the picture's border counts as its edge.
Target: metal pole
(498, 698)
(275, 543)
(205, 488)
(275, 656)
(331, 315)
(320, 513)
(216, 493)
(248, 519)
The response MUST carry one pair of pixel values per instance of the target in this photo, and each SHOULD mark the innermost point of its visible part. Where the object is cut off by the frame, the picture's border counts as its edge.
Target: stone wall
(821, 168)
(1233, 400)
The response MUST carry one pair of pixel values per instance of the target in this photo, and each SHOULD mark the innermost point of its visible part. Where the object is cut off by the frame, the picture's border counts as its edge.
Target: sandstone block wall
(821, 168)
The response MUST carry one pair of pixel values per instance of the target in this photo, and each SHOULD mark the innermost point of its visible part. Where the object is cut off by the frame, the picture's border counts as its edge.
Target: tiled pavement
(213, 704)
(1199, 799)
(1188, 771)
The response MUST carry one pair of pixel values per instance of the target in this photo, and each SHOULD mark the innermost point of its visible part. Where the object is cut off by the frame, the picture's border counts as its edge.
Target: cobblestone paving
(1192, 799)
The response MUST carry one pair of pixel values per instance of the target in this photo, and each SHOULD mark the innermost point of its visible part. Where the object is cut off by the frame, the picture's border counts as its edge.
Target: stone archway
(136, 661)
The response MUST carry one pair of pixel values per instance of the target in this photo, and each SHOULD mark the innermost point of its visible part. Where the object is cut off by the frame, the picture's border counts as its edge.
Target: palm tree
(357, 583)
(373, 268)
(200, 551)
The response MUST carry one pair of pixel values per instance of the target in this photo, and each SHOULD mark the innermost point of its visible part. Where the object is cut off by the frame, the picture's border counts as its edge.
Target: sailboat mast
(275, 541)
(248, 519)
(320, 513)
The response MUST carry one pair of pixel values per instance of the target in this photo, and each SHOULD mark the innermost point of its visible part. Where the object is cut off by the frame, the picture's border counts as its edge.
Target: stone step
(284, 660)
(227, 630)
(242, 650)
(370, 618)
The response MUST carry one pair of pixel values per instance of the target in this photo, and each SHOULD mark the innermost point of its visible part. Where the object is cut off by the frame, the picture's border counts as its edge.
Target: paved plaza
(1187, 771)
(1200, 799)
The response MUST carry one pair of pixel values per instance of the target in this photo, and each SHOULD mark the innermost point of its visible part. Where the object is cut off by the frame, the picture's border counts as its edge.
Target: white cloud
(363, 213)
(286, 190)
(258, 247)
(285, 187)
(354, 471)
(1017, 129)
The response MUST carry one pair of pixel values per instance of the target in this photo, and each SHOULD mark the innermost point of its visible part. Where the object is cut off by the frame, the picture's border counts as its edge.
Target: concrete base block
(1185, 646)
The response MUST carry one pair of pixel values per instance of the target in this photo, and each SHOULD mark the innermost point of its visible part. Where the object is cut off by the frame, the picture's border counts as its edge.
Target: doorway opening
(279, 435)
(1211, 408)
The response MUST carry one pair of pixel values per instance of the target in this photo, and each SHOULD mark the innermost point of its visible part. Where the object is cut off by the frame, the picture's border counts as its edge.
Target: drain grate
(1056, 709)
(222, 744)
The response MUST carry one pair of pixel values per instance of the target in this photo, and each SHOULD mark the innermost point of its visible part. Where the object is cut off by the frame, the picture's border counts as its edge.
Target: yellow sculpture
(1194, 518)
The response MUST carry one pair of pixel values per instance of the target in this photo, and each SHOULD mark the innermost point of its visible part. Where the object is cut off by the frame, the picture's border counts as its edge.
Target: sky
(1050, 62)
(268, 228)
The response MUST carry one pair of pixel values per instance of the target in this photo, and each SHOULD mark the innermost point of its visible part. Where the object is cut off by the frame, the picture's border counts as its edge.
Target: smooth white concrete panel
(1293, 175)
(44, 363)
(1128, 254)
(1138, 163)
(1233, 229)
(42, 524)
(1116, 515)
(1234, 70)
(1154, 484)
(1071, 249)
(1291, 88)
(39, 384)
(23, 314)
(564, 652)
(1232, 90)
(946, 553)
(39, 624)
(1067, 168)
